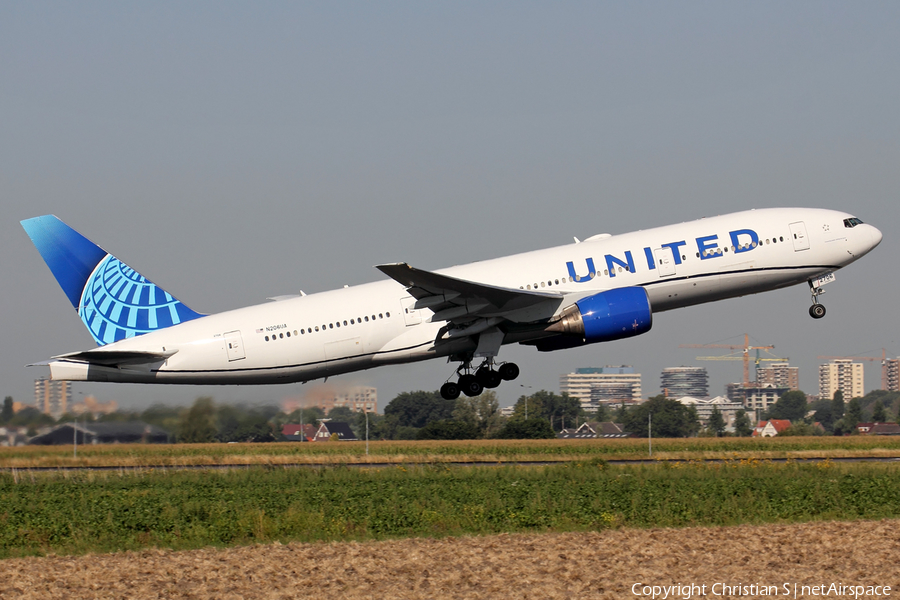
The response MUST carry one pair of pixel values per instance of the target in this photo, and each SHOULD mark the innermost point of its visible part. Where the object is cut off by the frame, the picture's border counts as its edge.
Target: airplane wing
(460, 300)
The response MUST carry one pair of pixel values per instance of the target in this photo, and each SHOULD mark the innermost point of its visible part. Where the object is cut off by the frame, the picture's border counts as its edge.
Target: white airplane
(604, 288)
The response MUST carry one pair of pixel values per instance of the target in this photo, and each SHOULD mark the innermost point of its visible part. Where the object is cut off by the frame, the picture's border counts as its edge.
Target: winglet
(113, 300)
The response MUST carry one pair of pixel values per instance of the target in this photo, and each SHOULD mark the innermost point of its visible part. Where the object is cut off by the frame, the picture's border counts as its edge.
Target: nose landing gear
(816, 311)
(472, 384)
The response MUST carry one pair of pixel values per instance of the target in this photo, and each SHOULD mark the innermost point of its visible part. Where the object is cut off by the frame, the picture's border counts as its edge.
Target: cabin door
(798, 236)
(411, 315)
(234, 346)
(665, 262)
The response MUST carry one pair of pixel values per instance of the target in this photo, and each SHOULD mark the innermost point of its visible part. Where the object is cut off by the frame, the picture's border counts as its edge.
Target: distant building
(329, 428)
(52, 397)
(129, 432)
(593, 386)
(13, 436)
(780, 374)
(605, 429)
(770, 428)
(755, 399)
(677, 382)
(95, 407)
(841, 374)
(878, 429)
(356, 398)
(705, 407)
(892, 366)
(299, 433)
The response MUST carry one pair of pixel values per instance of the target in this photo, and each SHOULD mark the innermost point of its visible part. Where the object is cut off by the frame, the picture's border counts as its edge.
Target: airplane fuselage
(359, 327)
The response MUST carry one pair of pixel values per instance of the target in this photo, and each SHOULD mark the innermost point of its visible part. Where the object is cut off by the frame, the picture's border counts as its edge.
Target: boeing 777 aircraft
(604, 288)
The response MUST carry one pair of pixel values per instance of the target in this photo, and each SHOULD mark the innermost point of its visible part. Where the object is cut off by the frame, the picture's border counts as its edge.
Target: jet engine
(610, 315)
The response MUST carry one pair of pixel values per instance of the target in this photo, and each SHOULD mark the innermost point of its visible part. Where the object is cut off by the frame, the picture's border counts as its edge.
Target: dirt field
(581, 565)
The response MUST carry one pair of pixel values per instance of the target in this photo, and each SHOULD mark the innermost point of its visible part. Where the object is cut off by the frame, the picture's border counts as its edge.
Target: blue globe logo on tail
(118, 303)
(113, 300)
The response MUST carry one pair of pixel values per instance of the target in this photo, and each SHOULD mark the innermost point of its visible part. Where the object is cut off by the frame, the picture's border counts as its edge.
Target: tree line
(426, 415)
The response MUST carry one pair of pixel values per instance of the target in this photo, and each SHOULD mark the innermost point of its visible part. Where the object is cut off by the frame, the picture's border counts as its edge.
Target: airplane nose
(876, 236)
(869, 237)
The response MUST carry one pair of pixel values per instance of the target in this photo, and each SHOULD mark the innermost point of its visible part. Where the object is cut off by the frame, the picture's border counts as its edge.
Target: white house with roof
(705, 406)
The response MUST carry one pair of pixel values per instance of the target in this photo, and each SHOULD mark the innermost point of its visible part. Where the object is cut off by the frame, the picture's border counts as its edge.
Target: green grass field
(78, 512)
(474, 450)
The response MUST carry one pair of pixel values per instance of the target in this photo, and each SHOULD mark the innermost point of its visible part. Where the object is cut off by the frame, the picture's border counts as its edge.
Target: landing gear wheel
(508, 371)
(450, 391)
(469, 385)
(487, 377)
(817, 311)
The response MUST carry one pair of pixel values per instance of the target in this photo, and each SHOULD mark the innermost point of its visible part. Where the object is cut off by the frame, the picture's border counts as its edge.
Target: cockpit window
(852, 222)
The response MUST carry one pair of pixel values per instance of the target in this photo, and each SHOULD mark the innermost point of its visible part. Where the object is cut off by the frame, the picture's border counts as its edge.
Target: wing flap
(454, 299)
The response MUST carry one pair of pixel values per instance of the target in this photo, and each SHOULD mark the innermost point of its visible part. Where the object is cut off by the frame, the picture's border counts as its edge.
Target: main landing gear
(816, 311)
(485, 376)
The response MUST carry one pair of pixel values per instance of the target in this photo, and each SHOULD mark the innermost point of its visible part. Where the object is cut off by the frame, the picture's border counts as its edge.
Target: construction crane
(745, 354)
(883, 359)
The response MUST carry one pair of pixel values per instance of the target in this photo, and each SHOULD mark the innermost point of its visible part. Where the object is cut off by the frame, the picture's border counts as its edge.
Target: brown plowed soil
(567, 565)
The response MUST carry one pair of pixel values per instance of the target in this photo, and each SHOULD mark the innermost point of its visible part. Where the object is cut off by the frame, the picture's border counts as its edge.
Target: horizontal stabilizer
(116, 358)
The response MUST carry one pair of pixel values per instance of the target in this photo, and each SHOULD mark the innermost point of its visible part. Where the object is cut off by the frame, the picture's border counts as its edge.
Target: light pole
(526, 399)
(650, 431)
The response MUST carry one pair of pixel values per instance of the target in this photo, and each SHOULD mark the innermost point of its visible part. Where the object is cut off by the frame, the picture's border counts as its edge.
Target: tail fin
(113, 300)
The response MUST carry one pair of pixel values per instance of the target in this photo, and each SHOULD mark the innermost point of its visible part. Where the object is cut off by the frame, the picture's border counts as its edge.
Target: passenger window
(388, 315)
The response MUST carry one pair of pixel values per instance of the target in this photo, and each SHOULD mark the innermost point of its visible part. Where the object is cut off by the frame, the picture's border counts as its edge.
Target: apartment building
(841, 374)
(779, 374)
(602, 385)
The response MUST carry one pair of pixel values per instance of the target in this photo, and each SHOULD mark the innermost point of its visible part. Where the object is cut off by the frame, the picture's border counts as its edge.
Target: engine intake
(610, 315)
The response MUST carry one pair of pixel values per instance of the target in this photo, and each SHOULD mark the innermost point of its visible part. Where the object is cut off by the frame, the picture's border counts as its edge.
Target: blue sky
(235, 151)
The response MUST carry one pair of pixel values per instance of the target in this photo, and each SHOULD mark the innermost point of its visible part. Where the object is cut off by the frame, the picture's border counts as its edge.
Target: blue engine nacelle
(610, 315)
